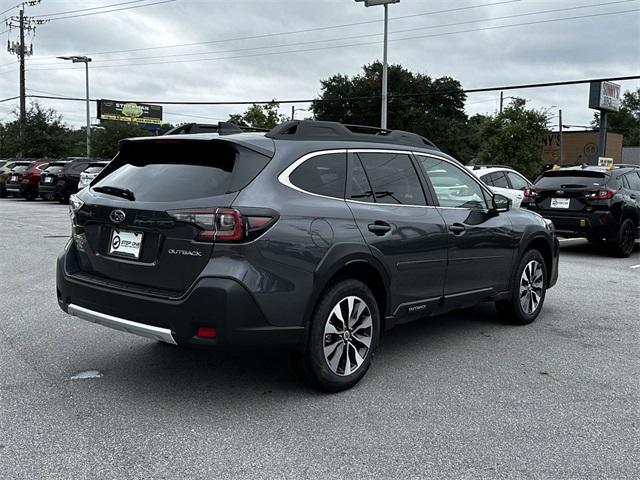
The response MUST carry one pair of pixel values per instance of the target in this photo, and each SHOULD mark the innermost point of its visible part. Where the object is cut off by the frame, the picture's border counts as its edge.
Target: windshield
(20, 168)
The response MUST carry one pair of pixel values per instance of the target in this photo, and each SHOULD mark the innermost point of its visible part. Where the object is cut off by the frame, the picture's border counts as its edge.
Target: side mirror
(501, 203)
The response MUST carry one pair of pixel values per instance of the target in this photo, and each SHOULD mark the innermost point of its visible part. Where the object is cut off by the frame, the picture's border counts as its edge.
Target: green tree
(259, 116)
(430, 107)
(104, 140)
(513, 138)
(627, 120)
(45, 135)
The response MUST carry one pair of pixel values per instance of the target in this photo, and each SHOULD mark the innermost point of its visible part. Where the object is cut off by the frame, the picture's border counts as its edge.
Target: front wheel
(528, 291)
(343, 336)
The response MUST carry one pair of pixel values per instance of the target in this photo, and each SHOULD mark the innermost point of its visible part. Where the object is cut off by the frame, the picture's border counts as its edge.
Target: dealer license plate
(125, 244)
(14, 178)
(560, 202)
(48, 179)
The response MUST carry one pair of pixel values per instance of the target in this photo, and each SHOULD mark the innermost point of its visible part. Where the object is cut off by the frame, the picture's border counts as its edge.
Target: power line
(109, 11)
(292, 32)
(522, 86)
(87, 9)
(312, 42)
(345, 45)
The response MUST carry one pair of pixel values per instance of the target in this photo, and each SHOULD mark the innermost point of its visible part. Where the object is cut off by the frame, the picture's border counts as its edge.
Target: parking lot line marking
(635, 266)
(569, 239)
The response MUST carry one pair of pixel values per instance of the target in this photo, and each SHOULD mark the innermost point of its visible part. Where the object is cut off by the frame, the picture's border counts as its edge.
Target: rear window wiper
(116, 192)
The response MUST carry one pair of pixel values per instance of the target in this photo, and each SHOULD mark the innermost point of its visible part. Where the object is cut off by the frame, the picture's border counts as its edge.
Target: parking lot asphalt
(458, 396)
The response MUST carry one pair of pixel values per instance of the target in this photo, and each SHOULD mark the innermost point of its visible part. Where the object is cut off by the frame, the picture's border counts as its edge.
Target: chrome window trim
(284, 179)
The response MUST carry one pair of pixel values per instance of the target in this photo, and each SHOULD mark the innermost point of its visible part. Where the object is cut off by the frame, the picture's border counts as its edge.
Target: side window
(498, 179)
(393, 178)
(623, 180)
(517, 182)
(487, 179)
(453, 187)
(634, 181)
(360, 187)
(323, 175)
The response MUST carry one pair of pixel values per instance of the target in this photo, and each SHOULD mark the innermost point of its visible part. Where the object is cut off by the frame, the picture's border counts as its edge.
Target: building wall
(579, 147)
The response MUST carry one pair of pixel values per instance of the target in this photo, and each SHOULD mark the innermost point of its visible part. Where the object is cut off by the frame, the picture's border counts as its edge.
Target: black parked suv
(316, 236)
(597, 203)
(63, 182)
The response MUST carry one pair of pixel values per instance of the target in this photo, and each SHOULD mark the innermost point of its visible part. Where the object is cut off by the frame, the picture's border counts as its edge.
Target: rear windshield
(571, 179)
(54, 169)
(93, 169)
(20, 168)
(181, 170)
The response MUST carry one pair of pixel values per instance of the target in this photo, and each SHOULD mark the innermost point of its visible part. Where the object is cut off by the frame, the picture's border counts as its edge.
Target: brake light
(604, 194)
(207, 332)
(223, 224)
(60, 175)
(530, 193)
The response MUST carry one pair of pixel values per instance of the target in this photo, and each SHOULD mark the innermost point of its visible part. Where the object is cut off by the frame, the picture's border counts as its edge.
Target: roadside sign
(604, 96)
(130, 112)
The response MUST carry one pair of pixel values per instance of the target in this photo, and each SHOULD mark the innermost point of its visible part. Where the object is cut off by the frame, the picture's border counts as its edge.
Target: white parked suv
(503, 180)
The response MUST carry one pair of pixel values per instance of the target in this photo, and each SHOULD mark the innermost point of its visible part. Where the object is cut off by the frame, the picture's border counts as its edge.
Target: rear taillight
(530, 193)
(60, 175)
(223, 224)
(604, 194)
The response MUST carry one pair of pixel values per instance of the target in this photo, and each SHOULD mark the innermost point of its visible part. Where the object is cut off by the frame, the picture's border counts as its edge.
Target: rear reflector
(207, 332)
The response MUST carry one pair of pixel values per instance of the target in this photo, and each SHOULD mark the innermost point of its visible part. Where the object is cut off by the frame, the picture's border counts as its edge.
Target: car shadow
(586, 248)
(244, 373)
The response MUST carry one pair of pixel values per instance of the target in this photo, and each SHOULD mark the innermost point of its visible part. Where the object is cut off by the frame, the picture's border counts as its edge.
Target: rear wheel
(528, 292)
(343, 336)
(626, 239)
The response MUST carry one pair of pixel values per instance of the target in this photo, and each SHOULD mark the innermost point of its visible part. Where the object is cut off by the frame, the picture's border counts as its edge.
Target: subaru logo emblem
(117, 216)
(559, 192)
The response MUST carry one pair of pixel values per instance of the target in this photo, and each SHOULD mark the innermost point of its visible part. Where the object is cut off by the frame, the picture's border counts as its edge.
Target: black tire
(512, 310)
(313, 364)
(30, 196)
(626, 239)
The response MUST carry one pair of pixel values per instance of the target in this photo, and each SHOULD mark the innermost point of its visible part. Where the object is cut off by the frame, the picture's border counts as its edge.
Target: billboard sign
(604, 96)
(130, 112)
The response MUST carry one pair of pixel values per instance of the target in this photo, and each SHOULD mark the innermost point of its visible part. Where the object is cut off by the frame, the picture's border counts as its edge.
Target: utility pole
(501, 100)
(23, 100)
(561, 141)
(602, 143)
(20, 49)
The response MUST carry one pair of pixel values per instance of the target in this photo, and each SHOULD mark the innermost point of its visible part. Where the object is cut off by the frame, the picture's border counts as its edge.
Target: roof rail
(478, 167)
(322, 130)
(221, 128)
(625, 165)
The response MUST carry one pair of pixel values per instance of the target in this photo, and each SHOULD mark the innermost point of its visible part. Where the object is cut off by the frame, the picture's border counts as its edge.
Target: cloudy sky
(296, 43)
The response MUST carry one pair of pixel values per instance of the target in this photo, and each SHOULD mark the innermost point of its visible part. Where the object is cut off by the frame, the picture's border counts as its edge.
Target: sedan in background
(503, 180)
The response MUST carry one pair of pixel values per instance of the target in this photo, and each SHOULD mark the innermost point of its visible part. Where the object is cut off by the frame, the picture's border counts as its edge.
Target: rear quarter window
(322, 175)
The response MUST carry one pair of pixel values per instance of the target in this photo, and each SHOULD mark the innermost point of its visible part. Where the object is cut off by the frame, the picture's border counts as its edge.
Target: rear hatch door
(567, 191)
(129, 224)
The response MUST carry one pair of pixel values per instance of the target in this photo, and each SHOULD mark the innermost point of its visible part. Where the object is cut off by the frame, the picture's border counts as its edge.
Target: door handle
(457, 228)
(379, 228)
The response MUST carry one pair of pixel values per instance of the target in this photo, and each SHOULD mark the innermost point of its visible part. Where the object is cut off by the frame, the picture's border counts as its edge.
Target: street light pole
(383, 115)
(85, 60)
(385, 81)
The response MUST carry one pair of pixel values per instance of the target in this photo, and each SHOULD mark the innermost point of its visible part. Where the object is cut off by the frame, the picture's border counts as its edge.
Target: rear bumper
(222, 303)
(13, 187)
(48, 189)
(595, 225)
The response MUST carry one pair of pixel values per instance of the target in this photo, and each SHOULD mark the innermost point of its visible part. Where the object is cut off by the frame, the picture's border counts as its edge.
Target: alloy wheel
(347, 335)
(627, 239)
(531, 286)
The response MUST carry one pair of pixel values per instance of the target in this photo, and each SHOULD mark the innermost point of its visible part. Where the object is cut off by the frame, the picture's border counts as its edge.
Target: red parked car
(24, 180)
